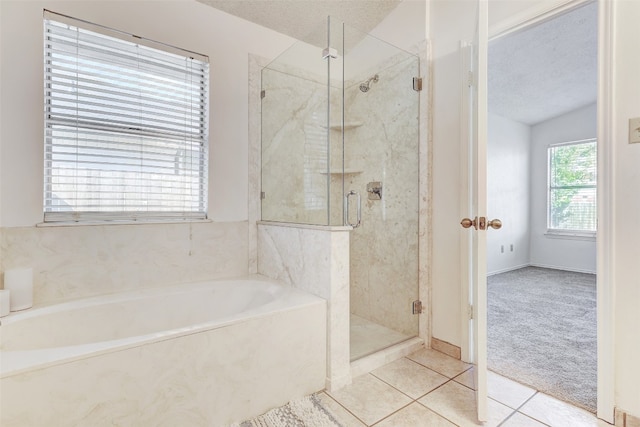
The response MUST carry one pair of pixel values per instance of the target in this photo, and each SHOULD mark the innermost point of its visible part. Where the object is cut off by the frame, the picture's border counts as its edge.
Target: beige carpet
(542, 331)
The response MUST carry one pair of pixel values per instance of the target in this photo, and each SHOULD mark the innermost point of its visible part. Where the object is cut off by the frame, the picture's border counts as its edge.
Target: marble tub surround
(316, 260)
(211, 373)
(80, 261)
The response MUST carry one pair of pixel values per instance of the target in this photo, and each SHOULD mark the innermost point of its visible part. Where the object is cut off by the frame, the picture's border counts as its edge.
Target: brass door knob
(496, 224)
(466, 223)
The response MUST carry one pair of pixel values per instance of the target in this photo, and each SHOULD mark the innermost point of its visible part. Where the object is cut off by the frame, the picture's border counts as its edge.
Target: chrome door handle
(347, 198)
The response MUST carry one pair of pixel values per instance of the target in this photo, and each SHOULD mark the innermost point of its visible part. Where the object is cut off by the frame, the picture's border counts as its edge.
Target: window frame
(197, 192)
(562, 232)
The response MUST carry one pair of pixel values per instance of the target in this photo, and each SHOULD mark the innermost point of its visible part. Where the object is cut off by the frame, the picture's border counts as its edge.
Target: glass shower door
(381, 163)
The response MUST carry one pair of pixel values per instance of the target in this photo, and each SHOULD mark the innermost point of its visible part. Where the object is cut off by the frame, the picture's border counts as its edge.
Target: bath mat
(305, 412)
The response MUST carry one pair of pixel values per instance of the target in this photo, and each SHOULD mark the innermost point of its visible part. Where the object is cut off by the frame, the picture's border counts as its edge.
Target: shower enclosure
(340, 147)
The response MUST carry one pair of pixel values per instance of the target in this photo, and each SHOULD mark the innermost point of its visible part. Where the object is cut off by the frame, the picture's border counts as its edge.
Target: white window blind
(125, 126)
(572, 187)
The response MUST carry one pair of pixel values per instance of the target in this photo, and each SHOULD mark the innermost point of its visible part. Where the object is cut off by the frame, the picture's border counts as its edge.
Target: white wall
(626, 261)
(567, 253)
(508, 190)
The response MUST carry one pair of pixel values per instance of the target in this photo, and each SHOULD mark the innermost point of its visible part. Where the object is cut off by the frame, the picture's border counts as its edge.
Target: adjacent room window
(125, 126)
(572, 187)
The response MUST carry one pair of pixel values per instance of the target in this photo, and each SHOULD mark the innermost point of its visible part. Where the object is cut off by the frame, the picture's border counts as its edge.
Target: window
(125, 126)
(572, 187)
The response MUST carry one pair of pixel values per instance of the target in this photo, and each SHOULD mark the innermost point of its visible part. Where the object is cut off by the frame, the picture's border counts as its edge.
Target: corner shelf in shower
(347, 125)
(347, 171)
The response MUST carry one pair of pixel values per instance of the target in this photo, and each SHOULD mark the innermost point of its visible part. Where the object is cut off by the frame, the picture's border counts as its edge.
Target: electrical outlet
(512, 247)
(501, 249)
(634, 130)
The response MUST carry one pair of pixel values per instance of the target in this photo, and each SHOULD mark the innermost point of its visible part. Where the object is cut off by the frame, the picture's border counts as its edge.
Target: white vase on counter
(5, 302)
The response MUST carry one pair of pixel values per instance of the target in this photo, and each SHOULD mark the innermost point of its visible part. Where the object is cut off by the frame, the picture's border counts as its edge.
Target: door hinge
(470, 79)
(417, 84)
(417, 307)
(262, 195)
(263, 93)
(470, 311)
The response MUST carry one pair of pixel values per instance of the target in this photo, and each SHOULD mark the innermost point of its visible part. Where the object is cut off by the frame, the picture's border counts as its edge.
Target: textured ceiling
(297, 18)
(534, 74)
(546, 70)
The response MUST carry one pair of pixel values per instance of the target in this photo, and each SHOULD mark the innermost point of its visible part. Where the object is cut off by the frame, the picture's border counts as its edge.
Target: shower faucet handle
(375, 190)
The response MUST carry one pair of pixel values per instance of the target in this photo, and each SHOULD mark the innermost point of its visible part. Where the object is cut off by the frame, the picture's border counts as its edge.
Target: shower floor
(368, 337)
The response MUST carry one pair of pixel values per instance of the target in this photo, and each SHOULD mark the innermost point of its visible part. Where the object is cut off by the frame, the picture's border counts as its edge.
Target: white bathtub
(205, 354)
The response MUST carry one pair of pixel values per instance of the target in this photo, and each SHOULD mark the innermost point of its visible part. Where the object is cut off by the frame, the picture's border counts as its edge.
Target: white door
(477, 222)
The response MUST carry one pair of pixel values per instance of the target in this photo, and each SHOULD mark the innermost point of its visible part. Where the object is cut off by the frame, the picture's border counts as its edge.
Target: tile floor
(429, 388)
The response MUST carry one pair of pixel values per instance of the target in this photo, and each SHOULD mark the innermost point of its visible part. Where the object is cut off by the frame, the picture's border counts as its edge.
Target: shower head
(365, 86)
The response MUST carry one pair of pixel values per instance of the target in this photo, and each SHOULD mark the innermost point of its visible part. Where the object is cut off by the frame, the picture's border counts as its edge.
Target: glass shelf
(347, 125)
(347, 171)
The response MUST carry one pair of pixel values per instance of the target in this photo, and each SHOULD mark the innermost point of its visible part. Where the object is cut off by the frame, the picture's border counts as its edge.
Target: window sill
(117, 222)
(569, 235)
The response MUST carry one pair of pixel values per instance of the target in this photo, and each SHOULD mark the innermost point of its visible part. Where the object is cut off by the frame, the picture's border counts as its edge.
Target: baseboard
(556, 267)
(337, 383)
(504, 270)
(446, 348)
(622, 419)
(552, 267)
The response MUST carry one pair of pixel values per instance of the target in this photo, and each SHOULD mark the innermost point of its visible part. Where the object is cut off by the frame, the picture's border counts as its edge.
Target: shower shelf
(347, 125)
(347, 171)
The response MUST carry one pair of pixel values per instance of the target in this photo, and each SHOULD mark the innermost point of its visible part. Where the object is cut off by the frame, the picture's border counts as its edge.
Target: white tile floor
(428, 388)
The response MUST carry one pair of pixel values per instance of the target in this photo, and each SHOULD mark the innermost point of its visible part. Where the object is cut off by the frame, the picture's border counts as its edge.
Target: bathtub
(200, 354)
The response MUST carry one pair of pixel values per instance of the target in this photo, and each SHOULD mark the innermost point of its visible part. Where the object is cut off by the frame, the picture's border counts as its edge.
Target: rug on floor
(306, 412)
(541, 328)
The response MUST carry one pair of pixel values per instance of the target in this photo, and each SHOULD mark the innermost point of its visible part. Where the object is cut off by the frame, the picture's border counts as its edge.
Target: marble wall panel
(314, 259)
(81, 261)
